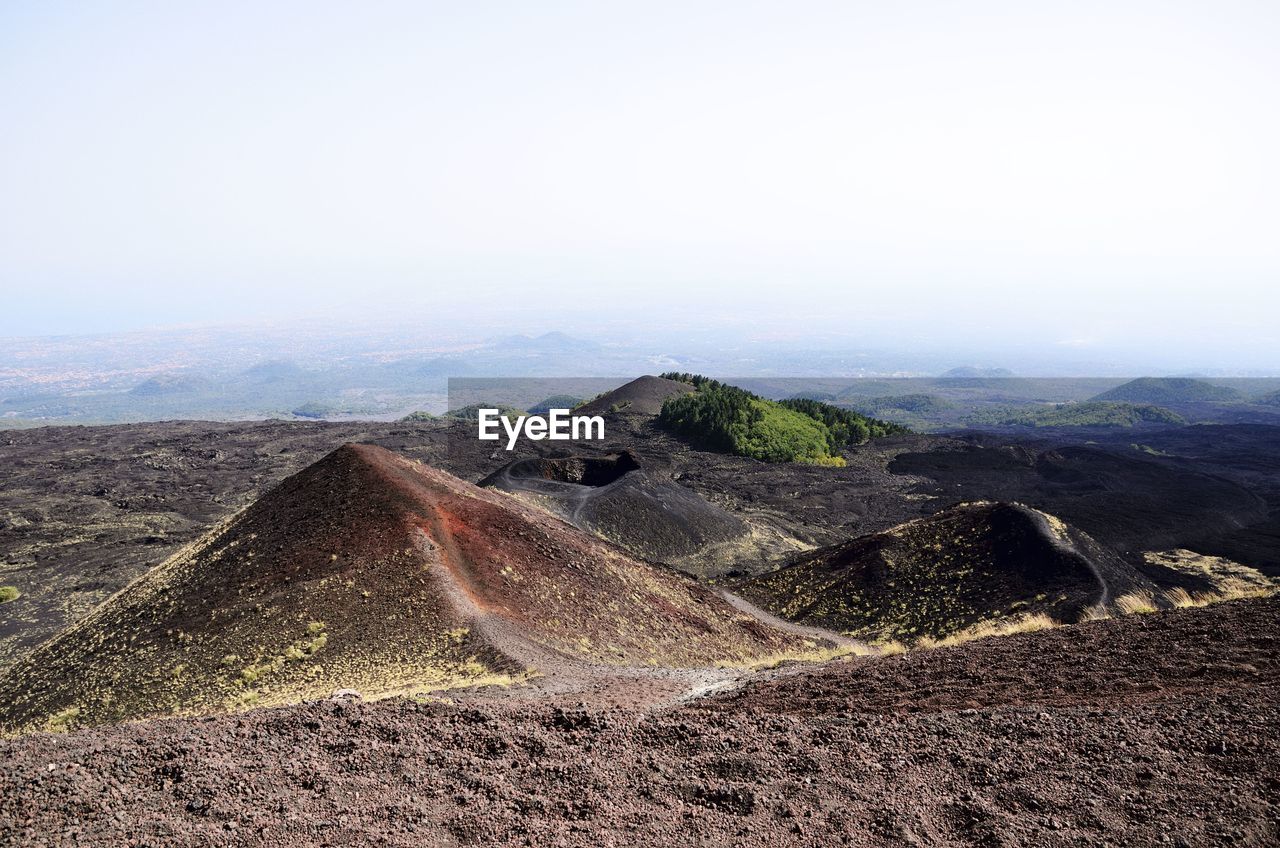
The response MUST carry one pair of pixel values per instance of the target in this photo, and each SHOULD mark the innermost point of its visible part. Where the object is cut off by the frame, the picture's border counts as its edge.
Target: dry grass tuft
(1136, 603)
(891, 648)
(1097, 612)
(811, 652)
(1181, 599)
(987, 629)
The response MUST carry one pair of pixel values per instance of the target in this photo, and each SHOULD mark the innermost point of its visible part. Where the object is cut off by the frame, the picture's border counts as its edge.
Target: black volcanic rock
(613, 497)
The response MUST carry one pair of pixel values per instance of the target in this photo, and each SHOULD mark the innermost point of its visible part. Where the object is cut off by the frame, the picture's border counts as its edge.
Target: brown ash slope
(935, 576)
(615, 497)
(369, 571)
(642, 396)
(1086, 735)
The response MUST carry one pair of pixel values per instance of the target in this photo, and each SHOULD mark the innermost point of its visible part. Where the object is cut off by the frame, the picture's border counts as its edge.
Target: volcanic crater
(370, 571)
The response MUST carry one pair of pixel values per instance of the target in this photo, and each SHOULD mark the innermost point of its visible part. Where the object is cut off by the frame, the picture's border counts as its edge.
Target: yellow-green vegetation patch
(726, 418)
(63, 720)
(9, 593)
(987, 629)
(1136, 603)
(1226, 577)
(809, 651)
(301, 649)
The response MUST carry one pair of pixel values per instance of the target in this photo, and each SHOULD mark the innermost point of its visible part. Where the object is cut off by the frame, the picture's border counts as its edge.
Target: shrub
(730, 420)
(848, 428)
(1095, 414)
(726, 418)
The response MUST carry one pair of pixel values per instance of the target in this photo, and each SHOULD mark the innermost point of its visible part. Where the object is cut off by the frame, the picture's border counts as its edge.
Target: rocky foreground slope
(1096, 734)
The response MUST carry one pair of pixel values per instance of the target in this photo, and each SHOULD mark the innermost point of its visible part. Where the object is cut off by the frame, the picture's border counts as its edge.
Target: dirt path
(560, 677)
(1068, 546)
(573, 495)
(743, 605)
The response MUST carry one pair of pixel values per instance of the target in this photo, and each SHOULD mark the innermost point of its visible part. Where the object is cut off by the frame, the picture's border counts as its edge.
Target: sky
(1087, 177)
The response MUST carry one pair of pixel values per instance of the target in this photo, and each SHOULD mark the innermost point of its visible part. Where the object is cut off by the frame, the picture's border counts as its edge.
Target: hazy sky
(1077, 174)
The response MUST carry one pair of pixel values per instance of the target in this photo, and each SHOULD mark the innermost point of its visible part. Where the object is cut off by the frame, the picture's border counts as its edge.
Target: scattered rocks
(1048, 758)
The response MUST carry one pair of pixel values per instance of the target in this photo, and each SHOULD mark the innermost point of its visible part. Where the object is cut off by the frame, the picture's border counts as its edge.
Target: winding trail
(1069, 547)
(743, 605)
(560, 676)
(565, 678)
(575, 496)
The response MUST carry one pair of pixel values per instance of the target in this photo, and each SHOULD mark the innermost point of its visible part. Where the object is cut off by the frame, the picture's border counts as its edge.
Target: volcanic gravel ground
(1161, 729)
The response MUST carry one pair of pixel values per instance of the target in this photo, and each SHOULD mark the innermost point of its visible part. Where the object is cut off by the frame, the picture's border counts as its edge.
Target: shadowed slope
(654, 518)
(933, 577)
(369, 571)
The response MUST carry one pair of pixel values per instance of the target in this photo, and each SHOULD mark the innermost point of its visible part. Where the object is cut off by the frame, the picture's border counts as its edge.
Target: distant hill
(272, 371)
(1270, 399)
(919, 411)
(1095, 414)
(642, 396)
(315, 409)
(471, 412)
(970, 372)
(164, 385)
(1170, 390)
(443, 366)
(545, 405)
(976, 562)
(369, 571)
(547, 343)
(917, 404)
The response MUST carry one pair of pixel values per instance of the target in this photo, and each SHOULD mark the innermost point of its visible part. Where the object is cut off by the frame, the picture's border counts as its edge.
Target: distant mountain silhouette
(969, 372)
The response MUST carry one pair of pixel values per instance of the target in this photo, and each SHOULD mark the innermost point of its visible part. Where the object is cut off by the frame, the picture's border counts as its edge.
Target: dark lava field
(642, 703)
